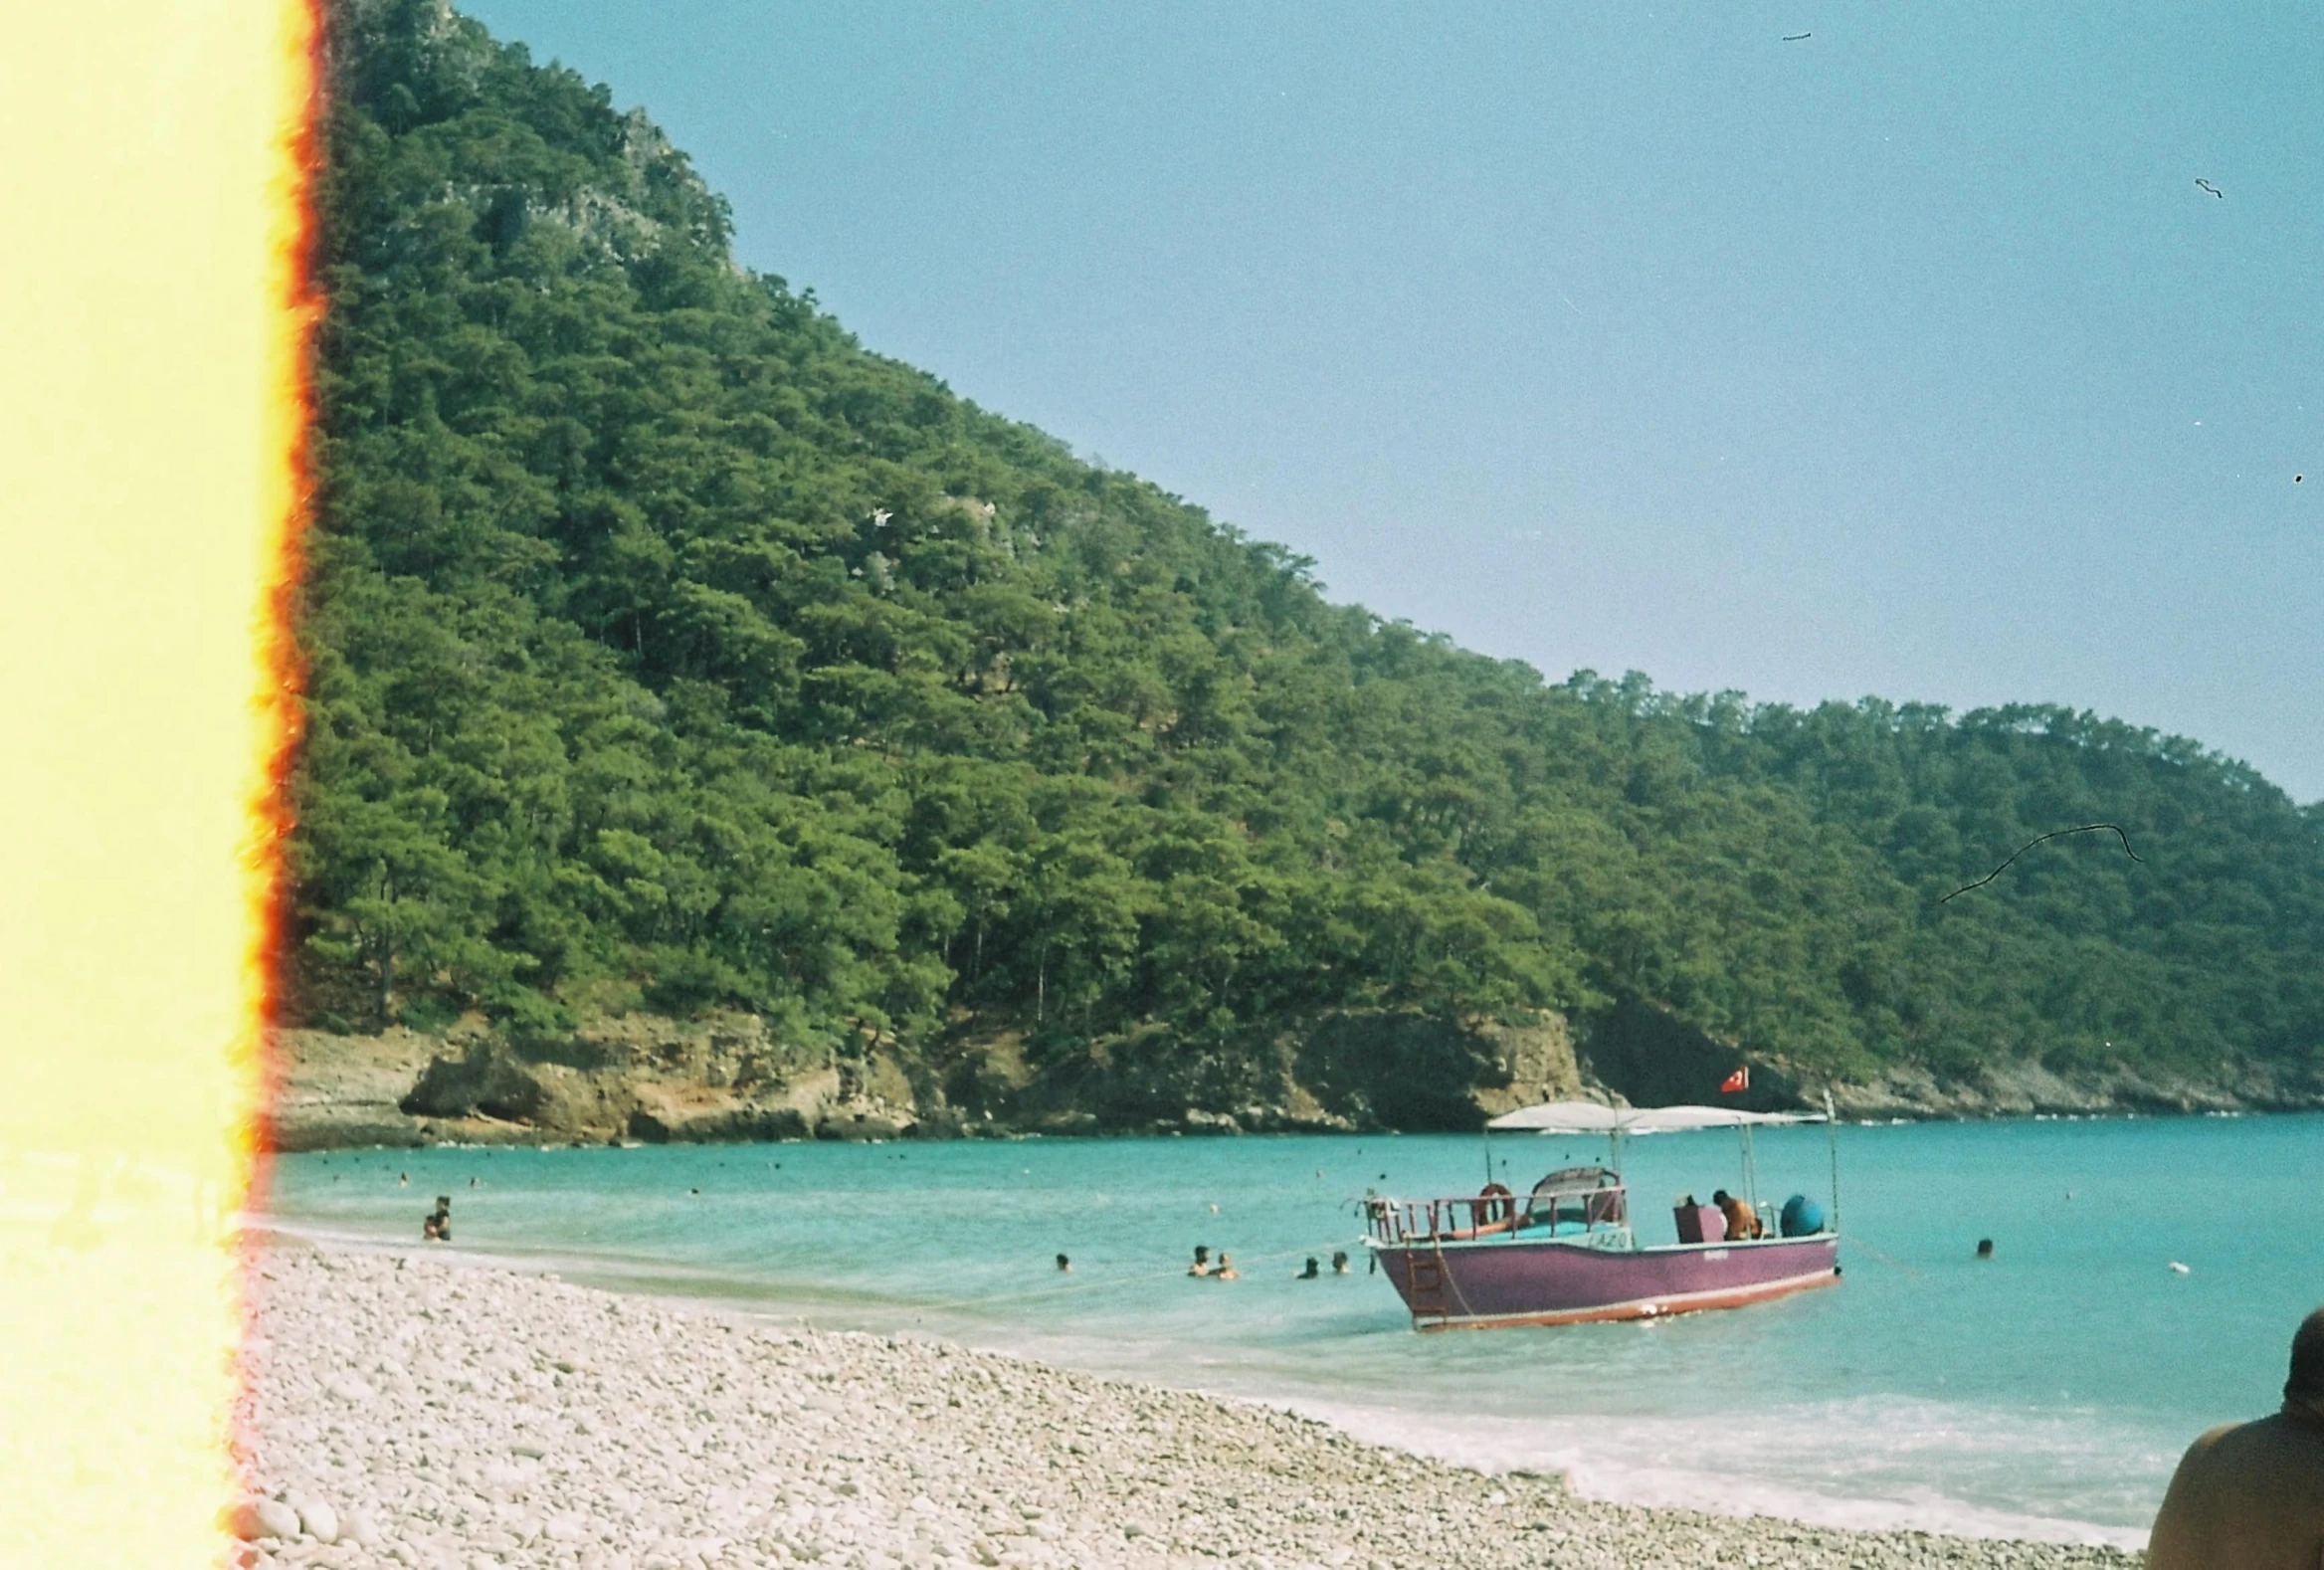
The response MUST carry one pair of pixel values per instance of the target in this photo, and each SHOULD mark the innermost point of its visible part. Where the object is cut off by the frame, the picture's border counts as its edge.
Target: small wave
(1726, 1467)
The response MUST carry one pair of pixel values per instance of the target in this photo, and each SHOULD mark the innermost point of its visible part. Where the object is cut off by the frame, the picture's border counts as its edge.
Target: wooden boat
(1566, 1253)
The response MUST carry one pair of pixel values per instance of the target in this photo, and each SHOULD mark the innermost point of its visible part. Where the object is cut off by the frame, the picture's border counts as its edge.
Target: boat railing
(1411, 1220)
(1468, 1217)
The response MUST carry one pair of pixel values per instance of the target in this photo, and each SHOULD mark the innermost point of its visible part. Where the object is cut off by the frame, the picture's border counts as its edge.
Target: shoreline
(425, 1413)
(488, 1134)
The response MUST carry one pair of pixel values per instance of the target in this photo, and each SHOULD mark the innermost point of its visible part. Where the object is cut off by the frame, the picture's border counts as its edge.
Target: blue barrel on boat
(1802, 1217)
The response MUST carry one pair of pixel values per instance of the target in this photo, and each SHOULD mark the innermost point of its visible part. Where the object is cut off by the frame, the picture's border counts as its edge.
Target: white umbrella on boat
(1619, 1123)
(1588, 1117)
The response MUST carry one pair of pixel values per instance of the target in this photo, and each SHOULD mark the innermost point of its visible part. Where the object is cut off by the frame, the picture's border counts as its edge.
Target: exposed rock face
(637, 1078)
(727, 1079)
(2015, 1089)
(634, 1077)
(1652, 1059)
(659, 1081)
(333, 1092)
(1655, 1060)
(1401, 1071)
(1339, 1072)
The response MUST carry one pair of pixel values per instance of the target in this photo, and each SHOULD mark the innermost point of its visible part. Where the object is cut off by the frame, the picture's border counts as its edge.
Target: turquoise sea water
(2044, 1392)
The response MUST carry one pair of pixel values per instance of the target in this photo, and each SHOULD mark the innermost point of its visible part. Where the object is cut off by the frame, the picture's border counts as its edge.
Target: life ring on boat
(1494, 1205)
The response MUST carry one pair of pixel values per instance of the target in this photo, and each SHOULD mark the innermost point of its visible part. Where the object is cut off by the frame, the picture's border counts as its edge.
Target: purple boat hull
(1481, 1284)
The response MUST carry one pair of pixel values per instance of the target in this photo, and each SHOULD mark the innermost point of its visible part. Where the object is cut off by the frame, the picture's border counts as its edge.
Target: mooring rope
(1894, 1264)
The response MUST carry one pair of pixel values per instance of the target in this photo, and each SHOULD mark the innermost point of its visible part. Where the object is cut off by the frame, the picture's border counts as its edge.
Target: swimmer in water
(1064, 1266)
(1202, 1260)
(1225, 1271)
(1314, 1273)
(1339, 1261)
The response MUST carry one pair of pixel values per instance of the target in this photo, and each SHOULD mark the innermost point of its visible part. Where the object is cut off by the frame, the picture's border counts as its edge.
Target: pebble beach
(403, 1410)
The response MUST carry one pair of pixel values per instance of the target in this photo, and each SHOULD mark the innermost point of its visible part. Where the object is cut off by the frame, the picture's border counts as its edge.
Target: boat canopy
(1588, 1117)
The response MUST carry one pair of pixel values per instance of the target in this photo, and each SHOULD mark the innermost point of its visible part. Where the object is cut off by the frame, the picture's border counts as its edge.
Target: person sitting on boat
(1225, 1271)
(1202, 1260)
(1742, 1222)
(2250, 1496)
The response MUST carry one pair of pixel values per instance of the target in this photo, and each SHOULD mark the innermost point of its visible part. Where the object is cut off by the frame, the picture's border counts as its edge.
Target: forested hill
(670, 653)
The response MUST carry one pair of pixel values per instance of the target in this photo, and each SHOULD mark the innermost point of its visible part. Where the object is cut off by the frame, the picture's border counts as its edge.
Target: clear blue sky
(1906, 358)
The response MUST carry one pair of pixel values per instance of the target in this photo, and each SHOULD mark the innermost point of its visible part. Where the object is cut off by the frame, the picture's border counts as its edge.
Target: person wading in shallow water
(2250, 1496)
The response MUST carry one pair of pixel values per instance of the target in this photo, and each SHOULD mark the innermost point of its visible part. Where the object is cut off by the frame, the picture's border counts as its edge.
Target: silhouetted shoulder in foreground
(2247, 1497)
(2250, 1496)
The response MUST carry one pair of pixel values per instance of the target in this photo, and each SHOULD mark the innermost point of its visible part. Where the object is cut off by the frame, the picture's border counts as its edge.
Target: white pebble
(316, 1517)
(349, 1389)
(256, 1518)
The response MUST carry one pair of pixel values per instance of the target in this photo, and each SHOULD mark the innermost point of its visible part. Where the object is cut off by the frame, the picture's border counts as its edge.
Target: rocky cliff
(635, 1078)
(654, 1080)
(1652, 1059)
(725, 1079)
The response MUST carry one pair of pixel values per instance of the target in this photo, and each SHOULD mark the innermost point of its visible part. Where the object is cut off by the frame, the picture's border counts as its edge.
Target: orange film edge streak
(154, 408)
(291, 419)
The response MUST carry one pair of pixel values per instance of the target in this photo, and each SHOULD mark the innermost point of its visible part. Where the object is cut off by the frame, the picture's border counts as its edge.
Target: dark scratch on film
(2054, 834)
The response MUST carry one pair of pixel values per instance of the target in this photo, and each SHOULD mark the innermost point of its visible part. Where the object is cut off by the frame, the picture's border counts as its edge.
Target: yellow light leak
(151, 405)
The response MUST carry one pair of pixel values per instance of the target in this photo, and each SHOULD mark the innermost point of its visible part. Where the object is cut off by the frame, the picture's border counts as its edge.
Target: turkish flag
(1740, 1080)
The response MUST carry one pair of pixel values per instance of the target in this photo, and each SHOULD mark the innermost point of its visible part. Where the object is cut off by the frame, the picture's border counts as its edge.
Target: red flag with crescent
(1737, 1082)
